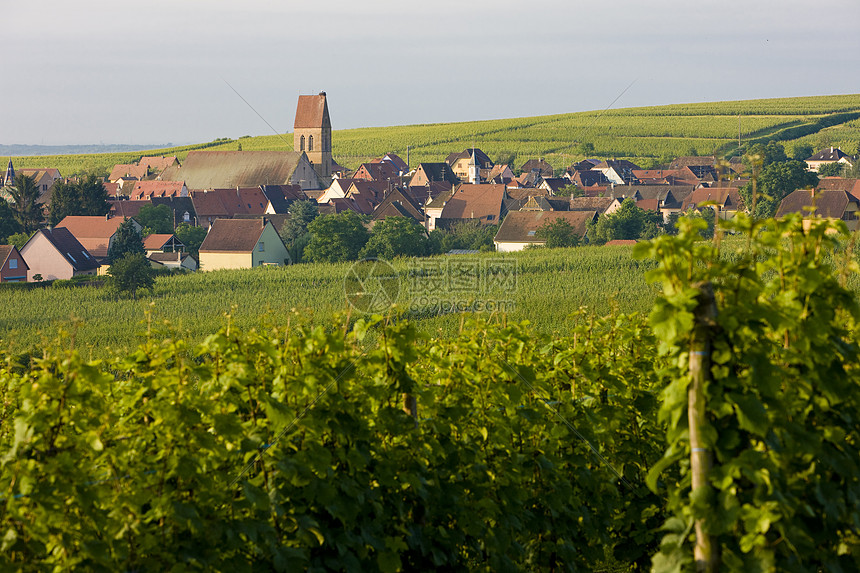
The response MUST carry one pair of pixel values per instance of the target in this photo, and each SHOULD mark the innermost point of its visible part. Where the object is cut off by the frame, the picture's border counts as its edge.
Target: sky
(190, 71)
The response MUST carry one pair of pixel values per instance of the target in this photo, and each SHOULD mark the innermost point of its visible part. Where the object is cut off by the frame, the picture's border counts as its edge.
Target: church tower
(312, 133)
(9, 178)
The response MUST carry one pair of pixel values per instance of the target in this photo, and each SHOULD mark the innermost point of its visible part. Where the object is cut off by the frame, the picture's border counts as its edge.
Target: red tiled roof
(233, 235)
(311, 111)
(148, 189)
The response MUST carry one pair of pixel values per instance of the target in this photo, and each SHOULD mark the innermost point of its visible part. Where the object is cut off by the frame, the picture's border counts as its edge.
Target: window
(302, 143)
(13, 263)
(310, 143)
(531, 233)
(261, 246)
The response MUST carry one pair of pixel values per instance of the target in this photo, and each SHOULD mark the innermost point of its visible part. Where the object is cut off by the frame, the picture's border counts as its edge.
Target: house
(146, 190)
(602, 205)
(539, 165)
(554, 184)
(242, 244)
(725, 201)
(44, 179)
(461, 161)
(381, 171)
(429, 172)
(312, 136)
(618, 171)
(827, 157)
(57, 254)
(693, 161)
(174, 261)
(822, 204)
(162, 243)
(128, 172)
(95, 233)
(519, 229)
(280, 197)
(538, 203)
(484, 202)
(157, 164)
(395, 160)
(498, 174)
(232, 169)
(398, 203)
(589, 178)
(13, 268)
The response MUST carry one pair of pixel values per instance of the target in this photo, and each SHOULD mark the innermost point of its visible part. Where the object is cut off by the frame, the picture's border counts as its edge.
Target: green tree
(336, 238)
(8, 225)
(126, 240)
(132, 272)
(396, 237)
(802, 152)
(763, 194)
(156, 218)
(571, 190)
(466, 234)
(558, 233)
(19, 239)
(772, 152)
(26, 209)
(294, 232)
(832, 170)
(705, 213)
(84, 197)
(192, 237)
(628, 222)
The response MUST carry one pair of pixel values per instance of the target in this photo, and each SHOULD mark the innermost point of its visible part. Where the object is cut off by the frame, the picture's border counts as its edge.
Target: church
(312, 133)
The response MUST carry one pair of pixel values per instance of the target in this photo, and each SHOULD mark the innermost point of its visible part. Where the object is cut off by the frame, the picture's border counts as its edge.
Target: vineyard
(649, 135)
(601, 278)
(368, 445)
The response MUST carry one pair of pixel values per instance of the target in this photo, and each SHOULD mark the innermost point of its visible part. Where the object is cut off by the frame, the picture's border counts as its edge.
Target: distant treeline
(30, 150)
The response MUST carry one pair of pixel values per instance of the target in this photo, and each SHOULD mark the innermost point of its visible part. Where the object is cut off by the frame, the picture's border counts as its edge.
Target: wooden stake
(705, 552)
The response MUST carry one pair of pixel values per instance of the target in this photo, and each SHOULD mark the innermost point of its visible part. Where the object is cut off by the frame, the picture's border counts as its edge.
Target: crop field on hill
(650, 135)
(547, 287)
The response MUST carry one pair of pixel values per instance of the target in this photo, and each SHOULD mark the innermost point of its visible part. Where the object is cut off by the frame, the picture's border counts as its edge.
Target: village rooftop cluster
(243, 198)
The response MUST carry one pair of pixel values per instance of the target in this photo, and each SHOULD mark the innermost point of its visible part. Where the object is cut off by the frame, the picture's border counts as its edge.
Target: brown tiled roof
(127, 170)
(94, 233)
(728, 198)
(231, 169)
(312, 111)
(71, 249)
(476, 202)
(526, 192)
(539, 164)
(233, 235)
(126, 209)
(156, 241)
(148, 189)
(157, 163)
(518, 224)
(828, 203)
(599, 204)
(850, 185)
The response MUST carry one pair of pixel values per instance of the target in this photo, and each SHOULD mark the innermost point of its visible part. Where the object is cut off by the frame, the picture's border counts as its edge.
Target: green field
(548, 286)
(651, 135)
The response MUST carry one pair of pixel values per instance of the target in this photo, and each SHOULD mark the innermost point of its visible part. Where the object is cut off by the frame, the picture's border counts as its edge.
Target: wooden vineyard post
(705, 552)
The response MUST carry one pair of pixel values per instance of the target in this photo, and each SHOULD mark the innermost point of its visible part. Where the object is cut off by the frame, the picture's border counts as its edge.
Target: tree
(192, 237)
(8, 224)
(19, 239)
(706, 213)
(802, 152)
(772, 185)
(396, 237)
(295, 230)
(628, 222)
(156, 218)
(466, 234)
(85, 197)
(832, 170)
(131, 272)
(26, 209)
(126, 240)
(558, 233)
(773, 152)
(336, 238)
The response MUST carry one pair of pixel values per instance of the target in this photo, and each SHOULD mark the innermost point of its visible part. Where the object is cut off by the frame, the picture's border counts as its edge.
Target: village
(240, 201)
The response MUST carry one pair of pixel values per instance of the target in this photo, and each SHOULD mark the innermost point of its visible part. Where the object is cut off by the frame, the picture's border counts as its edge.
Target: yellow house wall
(217, 261)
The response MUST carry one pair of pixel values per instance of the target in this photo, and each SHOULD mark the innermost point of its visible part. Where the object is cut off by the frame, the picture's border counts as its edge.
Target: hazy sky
(154, 71)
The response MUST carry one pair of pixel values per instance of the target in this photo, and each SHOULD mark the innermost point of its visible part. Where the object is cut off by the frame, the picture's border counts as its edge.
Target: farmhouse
(56, 254)
(242, 244)
(519, 229)
(827, 157)
(13, 268)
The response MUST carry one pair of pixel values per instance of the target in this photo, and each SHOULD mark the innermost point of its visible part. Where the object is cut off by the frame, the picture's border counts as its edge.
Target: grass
(549, 286)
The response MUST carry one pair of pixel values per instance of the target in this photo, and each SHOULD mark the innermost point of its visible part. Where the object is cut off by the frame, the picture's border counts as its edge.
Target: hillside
(650, 135)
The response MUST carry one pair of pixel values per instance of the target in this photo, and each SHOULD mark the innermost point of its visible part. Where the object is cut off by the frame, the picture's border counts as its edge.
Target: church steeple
(312, 132)
(9, 178)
